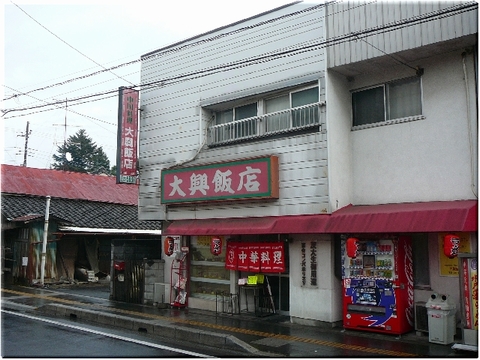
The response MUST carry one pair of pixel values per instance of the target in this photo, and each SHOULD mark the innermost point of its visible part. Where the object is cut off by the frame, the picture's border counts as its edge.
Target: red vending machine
(378, 284)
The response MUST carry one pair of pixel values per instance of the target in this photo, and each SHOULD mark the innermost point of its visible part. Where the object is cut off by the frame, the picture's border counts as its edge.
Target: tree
(80, 154)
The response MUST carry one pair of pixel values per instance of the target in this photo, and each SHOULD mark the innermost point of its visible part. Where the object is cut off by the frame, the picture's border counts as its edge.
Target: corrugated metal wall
(367, 29)
(174, 120)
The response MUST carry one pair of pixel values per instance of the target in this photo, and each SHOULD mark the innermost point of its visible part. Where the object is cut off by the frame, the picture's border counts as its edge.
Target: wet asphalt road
(40, 339)
(271, 334)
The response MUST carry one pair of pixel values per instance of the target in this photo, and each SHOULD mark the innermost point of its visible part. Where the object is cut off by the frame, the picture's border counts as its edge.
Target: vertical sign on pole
(127, 136)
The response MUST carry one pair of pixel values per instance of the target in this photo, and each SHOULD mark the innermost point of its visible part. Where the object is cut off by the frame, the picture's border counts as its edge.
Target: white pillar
(44, 246)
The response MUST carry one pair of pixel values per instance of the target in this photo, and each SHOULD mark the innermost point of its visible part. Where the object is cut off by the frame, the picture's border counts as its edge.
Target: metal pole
(44, 246)
(27, 132)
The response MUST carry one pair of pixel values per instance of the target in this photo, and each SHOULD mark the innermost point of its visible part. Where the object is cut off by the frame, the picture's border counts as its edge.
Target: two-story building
(401, 93)
(280, 136)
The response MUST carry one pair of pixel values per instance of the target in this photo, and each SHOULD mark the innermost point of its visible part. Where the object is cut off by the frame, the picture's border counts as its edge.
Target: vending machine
(378, 284)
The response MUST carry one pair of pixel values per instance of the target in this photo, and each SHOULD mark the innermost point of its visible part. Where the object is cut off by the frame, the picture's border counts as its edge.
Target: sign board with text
(127, 136)
(255, 257)
(244, 179)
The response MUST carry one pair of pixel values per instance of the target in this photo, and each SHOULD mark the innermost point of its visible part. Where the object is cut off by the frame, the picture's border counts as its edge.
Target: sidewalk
(269, 336)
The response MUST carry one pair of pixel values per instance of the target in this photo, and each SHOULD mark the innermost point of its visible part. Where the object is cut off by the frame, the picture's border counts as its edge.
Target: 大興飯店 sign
(244, 179)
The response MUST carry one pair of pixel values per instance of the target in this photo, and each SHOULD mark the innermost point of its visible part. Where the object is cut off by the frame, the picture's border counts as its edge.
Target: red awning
(436, 216)
(301, 224)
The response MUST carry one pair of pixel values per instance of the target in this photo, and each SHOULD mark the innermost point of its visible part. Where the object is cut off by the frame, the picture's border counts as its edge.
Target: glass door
(280, 285)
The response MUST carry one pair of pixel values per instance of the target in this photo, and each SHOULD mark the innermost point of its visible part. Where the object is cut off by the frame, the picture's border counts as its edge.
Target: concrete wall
(423, 160)
(429, 159)
(320, 303)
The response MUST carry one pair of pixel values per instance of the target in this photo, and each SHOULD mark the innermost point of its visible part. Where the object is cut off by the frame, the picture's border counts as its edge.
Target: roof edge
(217, 29)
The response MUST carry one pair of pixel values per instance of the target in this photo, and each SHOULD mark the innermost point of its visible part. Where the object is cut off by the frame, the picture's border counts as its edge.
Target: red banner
(278, 258)
(243, 261)
(231, 256)
(127, 136)
(256, 257)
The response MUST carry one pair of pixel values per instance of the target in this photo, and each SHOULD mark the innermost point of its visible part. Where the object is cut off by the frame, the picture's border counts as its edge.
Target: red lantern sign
(216, 245)
(451, 245)
(352, 247)
(168, 246)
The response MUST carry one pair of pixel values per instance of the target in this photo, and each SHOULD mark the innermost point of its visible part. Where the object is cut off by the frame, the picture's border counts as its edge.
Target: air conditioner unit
(421, 316)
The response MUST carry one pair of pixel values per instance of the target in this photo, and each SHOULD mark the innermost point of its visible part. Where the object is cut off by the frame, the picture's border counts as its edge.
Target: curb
(156, 328)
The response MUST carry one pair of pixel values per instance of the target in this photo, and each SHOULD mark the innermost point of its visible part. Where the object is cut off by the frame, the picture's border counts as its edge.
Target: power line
(176, 49)
(172, 49)
(58, 107)
(70, 46)
(451, 11)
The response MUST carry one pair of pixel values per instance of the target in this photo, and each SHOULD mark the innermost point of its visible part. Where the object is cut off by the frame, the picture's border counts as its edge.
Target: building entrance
(280, 286)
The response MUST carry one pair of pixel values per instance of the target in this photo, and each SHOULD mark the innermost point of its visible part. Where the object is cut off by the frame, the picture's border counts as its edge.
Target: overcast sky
(50, 42)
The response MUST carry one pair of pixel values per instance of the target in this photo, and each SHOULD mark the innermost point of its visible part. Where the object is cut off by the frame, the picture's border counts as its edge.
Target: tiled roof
(66, 185)
(81, 200)
(79, 213)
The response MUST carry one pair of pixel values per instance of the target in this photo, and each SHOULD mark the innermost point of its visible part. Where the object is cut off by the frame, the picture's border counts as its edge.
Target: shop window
(394, 100)
(421, 272)
(208, 273)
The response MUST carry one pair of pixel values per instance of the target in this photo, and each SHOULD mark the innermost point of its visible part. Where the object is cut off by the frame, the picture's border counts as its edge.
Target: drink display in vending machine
(378, 284)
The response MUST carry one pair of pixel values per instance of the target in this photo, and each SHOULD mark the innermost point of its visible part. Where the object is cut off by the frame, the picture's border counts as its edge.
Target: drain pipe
(44, 245)
(469, 124)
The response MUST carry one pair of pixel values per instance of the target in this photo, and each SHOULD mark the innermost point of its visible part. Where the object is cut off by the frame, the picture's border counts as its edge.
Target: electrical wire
(68, 109)
(70, 46)
(188, 46)
(451, 11)
(156, 54)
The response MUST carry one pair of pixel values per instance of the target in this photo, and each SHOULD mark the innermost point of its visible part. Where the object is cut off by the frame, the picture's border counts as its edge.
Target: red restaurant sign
(127, 136)
(250, 178)
(255, 257)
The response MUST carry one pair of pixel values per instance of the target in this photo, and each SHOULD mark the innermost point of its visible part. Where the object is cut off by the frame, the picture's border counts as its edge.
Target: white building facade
(422, 59)
(284, 87)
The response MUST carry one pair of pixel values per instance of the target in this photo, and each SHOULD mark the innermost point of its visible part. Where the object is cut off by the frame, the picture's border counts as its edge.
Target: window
(289, 111)
(303, 116)
(208, 273)
(237, 113)
(393, 100)
(237, 129)
(281, 120)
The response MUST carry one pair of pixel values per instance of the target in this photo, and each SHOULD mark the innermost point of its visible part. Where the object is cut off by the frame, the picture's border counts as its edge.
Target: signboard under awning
(244, 179)
(255, 257)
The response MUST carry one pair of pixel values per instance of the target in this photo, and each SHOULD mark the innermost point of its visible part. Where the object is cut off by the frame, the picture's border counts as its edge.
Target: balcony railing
(293, 119)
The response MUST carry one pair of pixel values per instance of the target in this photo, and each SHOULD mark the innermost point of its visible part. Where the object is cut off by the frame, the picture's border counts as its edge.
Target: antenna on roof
(65, 124)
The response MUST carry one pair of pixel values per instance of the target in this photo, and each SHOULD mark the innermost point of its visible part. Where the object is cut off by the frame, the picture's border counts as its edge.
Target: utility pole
(27, 133)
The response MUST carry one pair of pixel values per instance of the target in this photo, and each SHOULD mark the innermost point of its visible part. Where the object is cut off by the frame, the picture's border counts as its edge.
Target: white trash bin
(441, 319)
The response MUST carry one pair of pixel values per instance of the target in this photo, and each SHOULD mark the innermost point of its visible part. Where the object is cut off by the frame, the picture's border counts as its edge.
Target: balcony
(280, 122)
